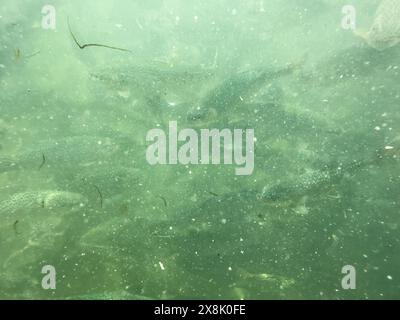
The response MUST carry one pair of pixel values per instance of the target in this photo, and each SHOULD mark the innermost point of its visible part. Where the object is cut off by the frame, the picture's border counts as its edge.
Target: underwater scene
(183, 149)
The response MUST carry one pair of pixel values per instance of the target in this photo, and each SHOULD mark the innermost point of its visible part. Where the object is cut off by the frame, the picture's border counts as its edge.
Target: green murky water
(78, 193)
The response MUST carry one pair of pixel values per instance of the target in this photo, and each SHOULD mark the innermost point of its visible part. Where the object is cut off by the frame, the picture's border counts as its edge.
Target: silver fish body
(49, 199)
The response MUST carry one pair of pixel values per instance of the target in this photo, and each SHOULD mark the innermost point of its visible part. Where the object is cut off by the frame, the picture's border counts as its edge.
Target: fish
(64, 152)
(234, 90)
(282, 282)
(356, 63)
(304, 184)
(148, 77)
(161, 87)
(384, 32)
(43, 199)
(317, 180)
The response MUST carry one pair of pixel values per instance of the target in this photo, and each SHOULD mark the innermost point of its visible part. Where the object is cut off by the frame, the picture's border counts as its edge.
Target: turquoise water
(79, 194)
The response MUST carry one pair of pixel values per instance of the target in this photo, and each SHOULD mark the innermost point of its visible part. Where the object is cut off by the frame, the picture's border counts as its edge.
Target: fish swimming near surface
(385, 30)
